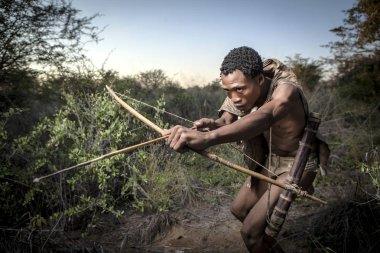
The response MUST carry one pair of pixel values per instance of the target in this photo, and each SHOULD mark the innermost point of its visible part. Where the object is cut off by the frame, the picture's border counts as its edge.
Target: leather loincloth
(280, 165)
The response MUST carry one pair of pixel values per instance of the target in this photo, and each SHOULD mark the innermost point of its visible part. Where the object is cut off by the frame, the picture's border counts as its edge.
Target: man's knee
(252, 241)
(259, 242)
(238, 212)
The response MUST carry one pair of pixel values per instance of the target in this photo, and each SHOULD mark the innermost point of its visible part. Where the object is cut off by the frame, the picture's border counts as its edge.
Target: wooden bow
(216, 158)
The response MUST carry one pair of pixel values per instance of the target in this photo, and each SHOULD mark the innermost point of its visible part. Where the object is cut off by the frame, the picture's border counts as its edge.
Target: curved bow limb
(113, 153)
(215, 157)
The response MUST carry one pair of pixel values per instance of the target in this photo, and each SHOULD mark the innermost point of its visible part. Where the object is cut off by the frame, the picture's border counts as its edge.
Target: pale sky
(188, 39)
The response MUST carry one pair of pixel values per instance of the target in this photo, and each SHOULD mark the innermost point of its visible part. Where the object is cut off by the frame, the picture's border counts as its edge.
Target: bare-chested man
(255, 105)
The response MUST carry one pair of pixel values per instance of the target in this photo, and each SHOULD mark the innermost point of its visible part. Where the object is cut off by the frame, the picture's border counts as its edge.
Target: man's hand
(181, 137)
(204, 124)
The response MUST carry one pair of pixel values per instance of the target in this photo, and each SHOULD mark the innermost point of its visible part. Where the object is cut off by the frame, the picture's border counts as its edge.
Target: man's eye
(240, 90)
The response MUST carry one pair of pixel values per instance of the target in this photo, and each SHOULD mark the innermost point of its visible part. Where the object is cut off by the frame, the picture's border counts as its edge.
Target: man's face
(243, 91)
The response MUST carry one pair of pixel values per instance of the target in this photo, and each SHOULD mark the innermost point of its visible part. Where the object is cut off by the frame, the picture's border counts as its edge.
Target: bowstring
(151, 106)
(192, 122)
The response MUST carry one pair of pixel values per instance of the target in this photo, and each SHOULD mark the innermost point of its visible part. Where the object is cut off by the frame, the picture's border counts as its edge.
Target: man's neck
(264, 92)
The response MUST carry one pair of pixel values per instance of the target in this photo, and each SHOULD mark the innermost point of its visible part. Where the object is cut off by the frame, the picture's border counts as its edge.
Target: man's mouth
(240, 107)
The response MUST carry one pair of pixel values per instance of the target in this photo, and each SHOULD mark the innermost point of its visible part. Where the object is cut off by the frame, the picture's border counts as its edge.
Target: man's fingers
(180, 137)
(201, 122)
(204, 124)
(176, 137)
(180, 145)
(172, 132)
(197, 124)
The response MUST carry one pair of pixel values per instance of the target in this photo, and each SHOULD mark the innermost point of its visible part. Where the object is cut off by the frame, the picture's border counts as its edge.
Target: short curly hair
(243, 58)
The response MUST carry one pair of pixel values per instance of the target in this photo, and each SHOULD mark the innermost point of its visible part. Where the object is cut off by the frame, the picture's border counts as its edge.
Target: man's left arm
(283, 101)
(247, 127)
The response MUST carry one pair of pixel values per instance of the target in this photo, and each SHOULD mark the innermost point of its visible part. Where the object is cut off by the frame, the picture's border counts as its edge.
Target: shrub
(86, 127)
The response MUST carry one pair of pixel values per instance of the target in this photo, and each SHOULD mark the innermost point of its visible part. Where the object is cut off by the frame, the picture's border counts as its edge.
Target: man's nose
(235, 98)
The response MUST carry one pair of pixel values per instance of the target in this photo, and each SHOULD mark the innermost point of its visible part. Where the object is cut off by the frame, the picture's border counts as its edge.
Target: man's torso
(284, 135)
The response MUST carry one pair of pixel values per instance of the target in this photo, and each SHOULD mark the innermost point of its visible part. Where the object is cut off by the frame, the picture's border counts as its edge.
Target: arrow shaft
(124, 150)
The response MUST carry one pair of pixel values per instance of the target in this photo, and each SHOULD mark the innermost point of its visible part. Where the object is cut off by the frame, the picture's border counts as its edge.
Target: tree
(357, 53)
(308, 72)
(156, 78)
(360, 80)
(49, 32)
(360, 33)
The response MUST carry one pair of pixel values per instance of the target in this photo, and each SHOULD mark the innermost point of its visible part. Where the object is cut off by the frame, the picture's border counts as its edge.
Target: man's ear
(261, 79)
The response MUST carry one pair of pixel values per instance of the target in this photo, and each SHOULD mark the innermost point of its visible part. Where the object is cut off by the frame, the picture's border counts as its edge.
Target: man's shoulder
(286, 90)
(290, 93)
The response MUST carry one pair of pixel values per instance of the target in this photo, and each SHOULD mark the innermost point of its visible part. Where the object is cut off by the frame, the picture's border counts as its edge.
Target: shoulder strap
(276, 70)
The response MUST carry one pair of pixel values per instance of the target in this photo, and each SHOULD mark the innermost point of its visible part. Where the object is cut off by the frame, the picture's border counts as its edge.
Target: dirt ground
(202, 228)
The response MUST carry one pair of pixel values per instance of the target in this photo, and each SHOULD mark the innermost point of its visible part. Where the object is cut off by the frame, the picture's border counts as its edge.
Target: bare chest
(284, 136)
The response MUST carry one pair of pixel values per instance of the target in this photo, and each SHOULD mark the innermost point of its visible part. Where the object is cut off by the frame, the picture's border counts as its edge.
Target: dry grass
(348, 226)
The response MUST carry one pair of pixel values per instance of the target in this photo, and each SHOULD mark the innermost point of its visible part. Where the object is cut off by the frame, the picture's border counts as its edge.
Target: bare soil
(203, 228)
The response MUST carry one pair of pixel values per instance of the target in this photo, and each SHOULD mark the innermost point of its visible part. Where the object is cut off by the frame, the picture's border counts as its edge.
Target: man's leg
(253, 229)
(307, 179)
(247, 197)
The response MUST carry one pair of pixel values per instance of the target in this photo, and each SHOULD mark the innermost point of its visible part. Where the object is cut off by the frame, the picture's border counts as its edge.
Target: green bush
(86, 127)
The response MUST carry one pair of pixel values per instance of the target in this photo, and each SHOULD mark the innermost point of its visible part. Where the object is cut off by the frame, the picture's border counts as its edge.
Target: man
(257, 107)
